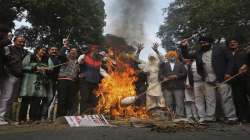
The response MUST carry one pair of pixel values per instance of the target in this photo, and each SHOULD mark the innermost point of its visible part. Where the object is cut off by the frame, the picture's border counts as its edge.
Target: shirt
(172, 66)
(196, 76)
(207, 60)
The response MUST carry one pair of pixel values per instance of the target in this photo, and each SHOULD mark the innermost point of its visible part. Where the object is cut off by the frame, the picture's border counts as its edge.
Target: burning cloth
(154, 98)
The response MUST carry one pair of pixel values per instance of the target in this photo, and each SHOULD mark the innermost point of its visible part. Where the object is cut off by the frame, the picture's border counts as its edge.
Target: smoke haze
(130, 18)
(148, 17)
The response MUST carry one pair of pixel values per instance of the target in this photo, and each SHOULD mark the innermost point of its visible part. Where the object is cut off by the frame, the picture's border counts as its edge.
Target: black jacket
(54, 73)
(179, 70)
(222, 62)
(14, 60)
(240, 58)
(3, 53)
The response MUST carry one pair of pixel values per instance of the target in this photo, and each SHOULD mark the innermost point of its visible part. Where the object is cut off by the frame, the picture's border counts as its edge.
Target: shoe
(44, 120)
(232, 121)
(210, 120)
(190, 120)
(3, 122)
(21, 122)
(202, 121)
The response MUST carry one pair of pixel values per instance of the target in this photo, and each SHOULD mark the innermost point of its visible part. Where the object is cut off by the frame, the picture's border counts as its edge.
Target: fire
(119, 84)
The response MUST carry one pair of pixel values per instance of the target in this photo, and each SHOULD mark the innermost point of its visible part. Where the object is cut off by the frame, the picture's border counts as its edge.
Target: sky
(152, 23)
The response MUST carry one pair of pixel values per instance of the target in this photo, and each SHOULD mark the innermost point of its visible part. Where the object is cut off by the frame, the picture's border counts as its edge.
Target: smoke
(130, 18)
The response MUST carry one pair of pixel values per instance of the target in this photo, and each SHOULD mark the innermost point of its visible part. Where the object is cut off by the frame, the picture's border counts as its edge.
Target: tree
(216, 18)
(9, 13)
(53, 20)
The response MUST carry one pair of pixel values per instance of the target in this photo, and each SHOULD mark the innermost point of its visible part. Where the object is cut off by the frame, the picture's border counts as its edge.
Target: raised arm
(140, 47)
(155, 48)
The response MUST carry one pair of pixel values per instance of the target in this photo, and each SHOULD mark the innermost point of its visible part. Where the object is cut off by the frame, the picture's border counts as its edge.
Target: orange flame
(118, 85)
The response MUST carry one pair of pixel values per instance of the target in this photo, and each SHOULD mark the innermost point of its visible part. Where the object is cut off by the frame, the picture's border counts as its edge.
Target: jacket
(14, 60)
(90, 69)
(222, 62)
(33, 84)
(179, 70)
(3, 53)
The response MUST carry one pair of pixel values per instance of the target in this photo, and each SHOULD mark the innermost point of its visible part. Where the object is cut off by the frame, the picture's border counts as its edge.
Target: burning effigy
(118, 85)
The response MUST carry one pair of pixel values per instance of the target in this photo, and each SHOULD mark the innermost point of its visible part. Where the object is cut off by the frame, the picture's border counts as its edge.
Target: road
(213, 132)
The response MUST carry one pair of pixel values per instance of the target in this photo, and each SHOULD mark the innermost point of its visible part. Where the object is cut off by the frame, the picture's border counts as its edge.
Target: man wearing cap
(215, 65)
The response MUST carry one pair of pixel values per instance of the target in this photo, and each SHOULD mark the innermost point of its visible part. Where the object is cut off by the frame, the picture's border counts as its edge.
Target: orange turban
(172, 54)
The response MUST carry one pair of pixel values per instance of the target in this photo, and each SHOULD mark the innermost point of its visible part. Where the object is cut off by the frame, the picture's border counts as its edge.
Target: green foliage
(8, 13)
(216, 18)
(52, 20)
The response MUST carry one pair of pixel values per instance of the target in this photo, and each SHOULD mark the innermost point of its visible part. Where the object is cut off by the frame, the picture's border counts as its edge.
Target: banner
(87, 121)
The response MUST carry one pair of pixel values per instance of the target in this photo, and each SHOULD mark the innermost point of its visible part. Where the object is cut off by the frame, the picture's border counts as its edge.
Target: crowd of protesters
(216, 83)
(207, 85)
(38, 78)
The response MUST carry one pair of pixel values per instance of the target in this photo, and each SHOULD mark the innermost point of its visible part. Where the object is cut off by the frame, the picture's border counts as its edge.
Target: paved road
(214, 132)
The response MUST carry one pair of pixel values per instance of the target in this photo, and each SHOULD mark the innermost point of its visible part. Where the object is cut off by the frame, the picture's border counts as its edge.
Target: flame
(118, 85)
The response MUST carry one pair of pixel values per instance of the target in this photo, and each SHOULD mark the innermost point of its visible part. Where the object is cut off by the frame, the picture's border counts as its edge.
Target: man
(174, 73)
(34, 85)
(190, 107)
(248, 71)
(13, 71)
(4, 41)
(141, 83)
(52, 74)
(54, 60)
(215, 65)
(194, 85)
(154, 97)
(64, 50)
(239, 84)
(67, 86)
(90, 76)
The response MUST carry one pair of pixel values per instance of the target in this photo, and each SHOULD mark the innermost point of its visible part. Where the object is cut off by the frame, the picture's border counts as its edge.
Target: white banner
(87, 121)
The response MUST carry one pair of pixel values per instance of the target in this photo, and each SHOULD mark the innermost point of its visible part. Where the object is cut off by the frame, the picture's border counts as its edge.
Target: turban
(172, 54)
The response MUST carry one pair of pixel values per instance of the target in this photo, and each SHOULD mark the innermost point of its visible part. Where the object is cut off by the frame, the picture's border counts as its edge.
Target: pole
(70, 31)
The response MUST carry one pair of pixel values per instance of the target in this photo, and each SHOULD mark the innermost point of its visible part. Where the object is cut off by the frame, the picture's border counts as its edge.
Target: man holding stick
(215, 65)
(239, 84)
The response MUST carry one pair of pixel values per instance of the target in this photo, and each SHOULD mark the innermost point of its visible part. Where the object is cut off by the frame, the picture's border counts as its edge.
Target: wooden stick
(194, 35)
(56, 66)
(152, 87)
(70, 31)
(231, 78)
